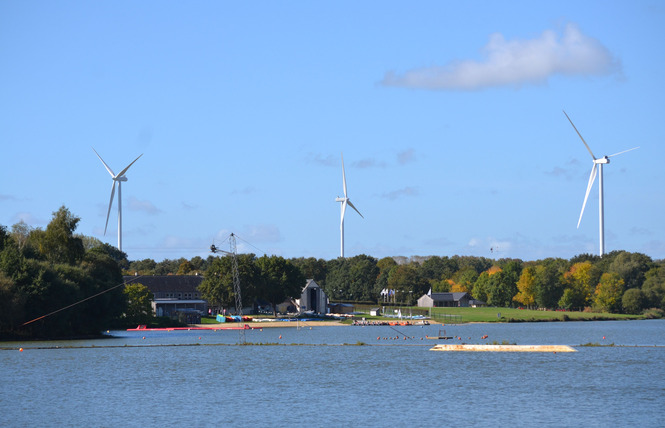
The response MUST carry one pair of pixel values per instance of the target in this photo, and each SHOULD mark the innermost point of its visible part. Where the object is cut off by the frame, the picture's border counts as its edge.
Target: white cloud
(515, 63)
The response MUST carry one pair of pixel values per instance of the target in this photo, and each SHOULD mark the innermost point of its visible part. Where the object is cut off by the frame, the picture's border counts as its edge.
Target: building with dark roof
(174, 296)
(437, 300)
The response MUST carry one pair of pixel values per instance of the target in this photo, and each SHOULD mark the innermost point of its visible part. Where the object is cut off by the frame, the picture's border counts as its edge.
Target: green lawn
(510, 314)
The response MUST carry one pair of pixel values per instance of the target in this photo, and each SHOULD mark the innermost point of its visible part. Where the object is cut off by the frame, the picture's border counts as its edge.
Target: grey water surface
(341, 376)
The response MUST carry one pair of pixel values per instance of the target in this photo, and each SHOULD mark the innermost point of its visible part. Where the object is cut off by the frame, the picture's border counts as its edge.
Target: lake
(203, 378)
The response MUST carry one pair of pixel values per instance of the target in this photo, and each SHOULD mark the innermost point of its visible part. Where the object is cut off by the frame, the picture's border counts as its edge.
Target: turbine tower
(345, 200)
(117, 178)
(597, 169)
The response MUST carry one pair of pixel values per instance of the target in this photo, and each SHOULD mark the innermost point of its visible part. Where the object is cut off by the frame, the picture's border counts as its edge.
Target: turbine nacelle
(604, 159)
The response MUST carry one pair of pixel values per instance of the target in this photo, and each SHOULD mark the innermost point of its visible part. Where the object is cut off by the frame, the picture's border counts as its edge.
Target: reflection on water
(130, 380)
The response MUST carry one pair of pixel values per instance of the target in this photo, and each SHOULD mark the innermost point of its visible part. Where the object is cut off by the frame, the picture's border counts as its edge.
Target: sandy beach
(271, 324)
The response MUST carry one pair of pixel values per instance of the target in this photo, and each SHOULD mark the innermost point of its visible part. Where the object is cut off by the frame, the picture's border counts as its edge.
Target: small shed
(375, 312)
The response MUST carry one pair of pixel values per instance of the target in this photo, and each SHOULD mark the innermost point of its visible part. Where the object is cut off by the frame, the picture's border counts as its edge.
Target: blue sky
(449, 116)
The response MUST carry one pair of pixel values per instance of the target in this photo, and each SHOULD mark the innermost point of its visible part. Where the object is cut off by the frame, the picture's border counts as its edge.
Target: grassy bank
(522, 315)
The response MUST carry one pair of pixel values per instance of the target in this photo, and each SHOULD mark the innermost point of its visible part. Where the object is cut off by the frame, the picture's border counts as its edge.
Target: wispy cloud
(244, 191)
(516, 63)
(145, 206)
(571, 170)
(8, 197)
(407, 156)
(401, 193)
(317, 158)
(369, 163)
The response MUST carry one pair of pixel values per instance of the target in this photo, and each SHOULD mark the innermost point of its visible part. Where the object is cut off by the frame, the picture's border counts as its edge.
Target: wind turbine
(117, 178)
(345, 200)
(597, 169)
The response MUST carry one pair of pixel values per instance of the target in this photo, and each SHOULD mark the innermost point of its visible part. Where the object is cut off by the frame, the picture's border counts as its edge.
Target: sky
(449, 116)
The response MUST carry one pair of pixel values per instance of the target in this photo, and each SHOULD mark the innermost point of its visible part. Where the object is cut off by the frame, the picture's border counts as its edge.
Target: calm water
(104, 383)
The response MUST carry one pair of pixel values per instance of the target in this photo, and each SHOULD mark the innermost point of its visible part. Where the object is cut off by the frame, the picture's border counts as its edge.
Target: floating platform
(504, 348)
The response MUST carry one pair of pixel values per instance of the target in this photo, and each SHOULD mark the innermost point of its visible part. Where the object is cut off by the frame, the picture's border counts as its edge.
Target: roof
(449, 297)
(311, 284)
(168, 283)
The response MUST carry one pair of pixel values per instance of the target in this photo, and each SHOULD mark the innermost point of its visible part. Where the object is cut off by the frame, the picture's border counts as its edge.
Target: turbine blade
(125, 170)
(107, 167)
(343, 212)
(578, 133)
(343, 176)
(108, 213)
(624, 151)
(355, 209)
(592, 178)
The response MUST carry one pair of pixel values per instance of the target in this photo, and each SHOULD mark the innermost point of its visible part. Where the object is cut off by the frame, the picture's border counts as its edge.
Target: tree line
(619, 282)
(43, 271)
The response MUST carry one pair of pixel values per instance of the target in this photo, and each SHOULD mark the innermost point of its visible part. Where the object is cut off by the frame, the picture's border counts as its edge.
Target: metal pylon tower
(236, 283)
(236, 279)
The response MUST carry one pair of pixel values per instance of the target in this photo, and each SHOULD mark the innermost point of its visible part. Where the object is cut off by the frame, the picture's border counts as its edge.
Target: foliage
(608, 292)
(279, 279)
(48, 280)
(139, 307)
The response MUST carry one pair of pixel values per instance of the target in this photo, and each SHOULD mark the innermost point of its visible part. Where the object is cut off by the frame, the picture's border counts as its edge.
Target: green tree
(139, 304)
(57, 243)
(363, 273)
(631, 267)
(217, 285)
(548, 282)
(406, 282)
(279, 279)
(654, 286)
(312, 268)
(633, 301)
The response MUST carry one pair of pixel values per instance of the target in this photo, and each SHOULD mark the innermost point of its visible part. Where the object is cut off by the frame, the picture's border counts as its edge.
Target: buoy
(20, 349)
(199, 337)
(280, 336)
(603, 337)
(143, 337)
(378, 338)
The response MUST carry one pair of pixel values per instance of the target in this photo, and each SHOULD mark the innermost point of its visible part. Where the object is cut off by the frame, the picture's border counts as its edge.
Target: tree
(631, 267)
(279, 279)
(548, 285)
(633, 301)
(217, 285)
(609, 292)
(526, 288)
(580, 280)
(363, 273)
(406, 282)
(57, 243)
(654, 286)
(139, 306)
(312, 268)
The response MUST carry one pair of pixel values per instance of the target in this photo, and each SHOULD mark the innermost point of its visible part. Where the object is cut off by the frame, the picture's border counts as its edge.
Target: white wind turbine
(345, 200)
(117, 178)
(597, 169)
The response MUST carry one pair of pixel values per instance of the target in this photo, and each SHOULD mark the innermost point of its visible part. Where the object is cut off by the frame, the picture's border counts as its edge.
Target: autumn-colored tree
(609, 291)
(526, 287)
(580, 281)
